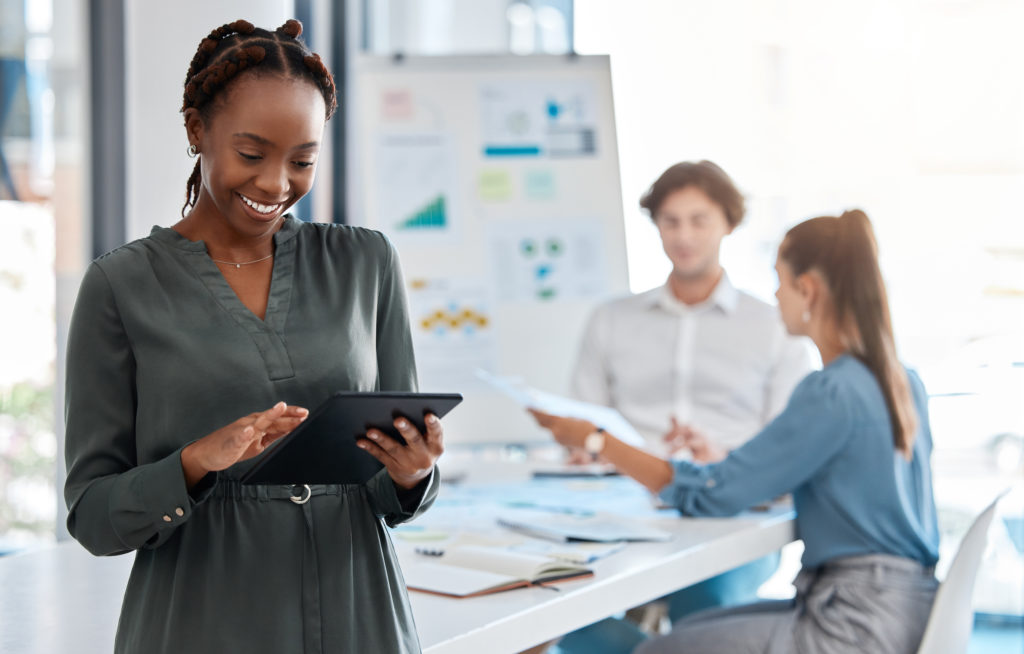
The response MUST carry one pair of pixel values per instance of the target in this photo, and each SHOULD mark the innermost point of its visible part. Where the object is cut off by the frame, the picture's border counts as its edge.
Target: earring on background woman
(193, 151)
(806, 316)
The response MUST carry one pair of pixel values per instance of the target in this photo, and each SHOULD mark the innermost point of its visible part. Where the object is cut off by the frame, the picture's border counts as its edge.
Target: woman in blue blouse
(852, 446)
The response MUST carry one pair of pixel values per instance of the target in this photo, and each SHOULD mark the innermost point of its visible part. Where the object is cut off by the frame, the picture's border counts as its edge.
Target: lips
(260, 210)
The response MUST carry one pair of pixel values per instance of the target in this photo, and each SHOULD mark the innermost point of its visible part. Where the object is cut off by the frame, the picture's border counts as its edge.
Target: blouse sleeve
(114, 504)
(396, 363)
(791, 449)
(396, 370)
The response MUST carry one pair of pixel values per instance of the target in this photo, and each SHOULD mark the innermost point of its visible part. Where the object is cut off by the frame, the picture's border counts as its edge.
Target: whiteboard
(497, 178)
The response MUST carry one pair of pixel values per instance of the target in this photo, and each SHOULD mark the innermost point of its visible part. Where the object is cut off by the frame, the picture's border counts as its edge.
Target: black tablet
(322, 450)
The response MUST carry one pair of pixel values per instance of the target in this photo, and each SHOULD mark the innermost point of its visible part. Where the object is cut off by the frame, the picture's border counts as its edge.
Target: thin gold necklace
(239, 264)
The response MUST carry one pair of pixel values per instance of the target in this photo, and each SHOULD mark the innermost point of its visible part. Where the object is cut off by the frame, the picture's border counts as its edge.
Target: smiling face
(691, 226)
(259, 150)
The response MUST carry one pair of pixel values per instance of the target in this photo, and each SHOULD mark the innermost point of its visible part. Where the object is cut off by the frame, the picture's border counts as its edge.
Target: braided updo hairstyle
(237, 47)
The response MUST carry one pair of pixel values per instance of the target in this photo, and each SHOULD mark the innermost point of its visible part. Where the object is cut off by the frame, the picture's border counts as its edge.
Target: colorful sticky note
(539, 184)
(494, 185)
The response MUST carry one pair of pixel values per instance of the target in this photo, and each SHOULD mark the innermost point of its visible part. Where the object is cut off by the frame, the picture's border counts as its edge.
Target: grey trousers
(874, 604)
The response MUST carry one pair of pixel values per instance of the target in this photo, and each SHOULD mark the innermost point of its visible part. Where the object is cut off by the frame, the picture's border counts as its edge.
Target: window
(43, 249)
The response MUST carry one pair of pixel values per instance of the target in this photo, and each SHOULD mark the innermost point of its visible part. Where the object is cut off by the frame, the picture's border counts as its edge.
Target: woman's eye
(304, 164)
(250, 157)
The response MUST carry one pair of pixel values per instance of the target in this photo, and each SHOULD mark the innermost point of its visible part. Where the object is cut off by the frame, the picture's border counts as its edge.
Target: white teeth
(262, 208)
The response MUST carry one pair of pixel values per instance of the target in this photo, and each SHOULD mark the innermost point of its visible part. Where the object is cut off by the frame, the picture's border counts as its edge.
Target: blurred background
(912, 110)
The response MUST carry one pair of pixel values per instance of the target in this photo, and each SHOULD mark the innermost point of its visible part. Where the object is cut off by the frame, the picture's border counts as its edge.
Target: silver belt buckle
(302, 498)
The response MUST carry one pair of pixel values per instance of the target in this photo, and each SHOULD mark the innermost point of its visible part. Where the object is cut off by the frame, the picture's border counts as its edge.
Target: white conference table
(62, 599)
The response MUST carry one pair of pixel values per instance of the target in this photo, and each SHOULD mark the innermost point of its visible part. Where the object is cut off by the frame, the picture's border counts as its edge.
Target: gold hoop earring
(193, 151)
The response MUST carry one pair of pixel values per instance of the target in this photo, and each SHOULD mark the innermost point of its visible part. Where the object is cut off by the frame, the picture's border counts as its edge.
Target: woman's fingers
(283, 426)
(266, 418)
(384, 442)
(408, 431)
(375, 445)
(435, 434)
(277, 421)
(410, 462)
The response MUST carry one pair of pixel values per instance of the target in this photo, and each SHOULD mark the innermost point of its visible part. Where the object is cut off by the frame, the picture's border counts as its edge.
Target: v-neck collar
(267, 334)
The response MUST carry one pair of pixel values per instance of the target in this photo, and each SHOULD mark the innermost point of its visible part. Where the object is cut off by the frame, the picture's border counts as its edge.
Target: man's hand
(685, 437)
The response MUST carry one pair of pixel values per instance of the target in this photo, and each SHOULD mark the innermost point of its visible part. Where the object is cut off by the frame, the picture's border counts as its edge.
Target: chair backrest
(952, 616)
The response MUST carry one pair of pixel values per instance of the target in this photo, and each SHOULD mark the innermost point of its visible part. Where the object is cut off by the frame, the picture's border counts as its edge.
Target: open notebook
(472, 570)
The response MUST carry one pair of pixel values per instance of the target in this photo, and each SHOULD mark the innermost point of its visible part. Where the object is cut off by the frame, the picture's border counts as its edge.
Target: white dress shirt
(725, 367)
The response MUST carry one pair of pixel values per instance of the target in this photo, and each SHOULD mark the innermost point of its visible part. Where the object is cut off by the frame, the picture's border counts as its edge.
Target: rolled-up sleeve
(813, 428)
(114, 504)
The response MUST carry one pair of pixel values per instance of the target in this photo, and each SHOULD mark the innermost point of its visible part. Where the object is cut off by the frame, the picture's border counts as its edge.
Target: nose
(683, 234)
(273, 180)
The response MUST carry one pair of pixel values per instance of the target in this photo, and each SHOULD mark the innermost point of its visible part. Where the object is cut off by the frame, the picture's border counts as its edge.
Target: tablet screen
(322, 450)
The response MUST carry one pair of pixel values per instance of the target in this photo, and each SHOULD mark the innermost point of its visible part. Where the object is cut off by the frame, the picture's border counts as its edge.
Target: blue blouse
(832, 447)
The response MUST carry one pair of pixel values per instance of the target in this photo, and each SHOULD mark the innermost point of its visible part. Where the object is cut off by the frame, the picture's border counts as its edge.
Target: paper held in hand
(532, 398)
(473, 570)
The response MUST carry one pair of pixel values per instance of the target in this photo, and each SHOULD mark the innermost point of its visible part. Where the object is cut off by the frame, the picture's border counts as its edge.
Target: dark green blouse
(162, 352)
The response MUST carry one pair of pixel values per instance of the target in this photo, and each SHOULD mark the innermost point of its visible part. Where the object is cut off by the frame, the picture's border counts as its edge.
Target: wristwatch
(594, 442)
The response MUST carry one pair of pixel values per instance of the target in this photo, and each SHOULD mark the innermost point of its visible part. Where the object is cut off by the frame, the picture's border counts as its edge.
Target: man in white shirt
(723, 366)
(695, 355)
(696, 349)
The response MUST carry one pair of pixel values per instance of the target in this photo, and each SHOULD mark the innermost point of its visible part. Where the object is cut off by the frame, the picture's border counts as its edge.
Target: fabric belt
(298, 493)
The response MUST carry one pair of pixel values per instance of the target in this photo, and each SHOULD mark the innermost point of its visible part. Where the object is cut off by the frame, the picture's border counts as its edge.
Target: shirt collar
(725, 297)
(289, 228)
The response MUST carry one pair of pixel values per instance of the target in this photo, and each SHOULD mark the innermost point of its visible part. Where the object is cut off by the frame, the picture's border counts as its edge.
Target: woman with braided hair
(180, 342)
(853, 446)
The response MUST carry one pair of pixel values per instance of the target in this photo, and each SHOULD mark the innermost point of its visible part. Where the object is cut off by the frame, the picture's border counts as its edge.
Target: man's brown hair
(706, 176)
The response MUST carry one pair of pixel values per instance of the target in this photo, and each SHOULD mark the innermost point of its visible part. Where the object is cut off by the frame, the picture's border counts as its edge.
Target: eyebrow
(263, 141)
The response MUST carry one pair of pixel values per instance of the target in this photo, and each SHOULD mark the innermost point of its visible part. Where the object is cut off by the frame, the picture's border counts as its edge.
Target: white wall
(909, 110)
(161, 39)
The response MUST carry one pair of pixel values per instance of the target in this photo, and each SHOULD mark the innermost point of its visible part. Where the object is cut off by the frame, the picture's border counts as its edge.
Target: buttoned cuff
(165, 491)
(153, 500)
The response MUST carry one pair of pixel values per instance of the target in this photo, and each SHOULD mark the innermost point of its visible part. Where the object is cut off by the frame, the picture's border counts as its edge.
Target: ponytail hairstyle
(844, 251)
(236, 47)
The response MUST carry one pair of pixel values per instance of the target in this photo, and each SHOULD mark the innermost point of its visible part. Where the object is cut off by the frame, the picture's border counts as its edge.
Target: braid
(211, 79)
(291, 28)
(237, 47)
(208, 45)
(192, 188)
(325, 80)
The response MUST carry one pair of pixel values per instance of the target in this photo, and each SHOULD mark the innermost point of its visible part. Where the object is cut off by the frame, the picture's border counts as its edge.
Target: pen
(539, 585)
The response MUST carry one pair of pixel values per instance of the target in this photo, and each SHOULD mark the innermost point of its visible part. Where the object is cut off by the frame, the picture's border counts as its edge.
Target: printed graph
(432, 216)
(454, 317)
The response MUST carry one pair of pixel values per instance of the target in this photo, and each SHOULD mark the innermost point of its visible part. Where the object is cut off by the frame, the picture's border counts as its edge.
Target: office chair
(952, 615)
